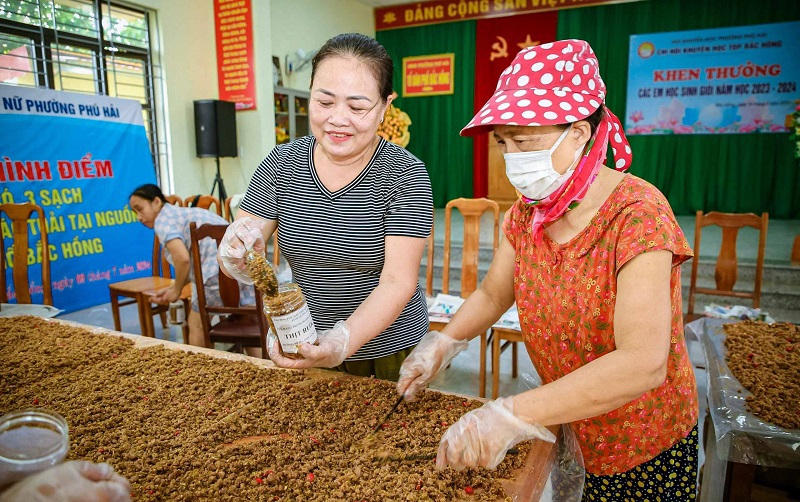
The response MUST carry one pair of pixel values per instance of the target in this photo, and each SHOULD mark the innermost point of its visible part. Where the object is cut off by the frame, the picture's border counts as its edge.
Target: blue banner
(727, 80)
(79, 157)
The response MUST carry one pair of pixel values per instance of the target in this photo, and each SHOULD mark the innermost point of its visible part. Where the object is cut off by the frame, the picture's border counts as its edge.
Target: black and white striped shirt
(335, 241)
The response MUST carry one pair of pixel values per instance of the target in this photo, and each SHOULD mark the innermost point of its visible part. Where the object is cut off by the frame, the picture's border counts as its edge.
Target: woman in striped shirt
(353, 212)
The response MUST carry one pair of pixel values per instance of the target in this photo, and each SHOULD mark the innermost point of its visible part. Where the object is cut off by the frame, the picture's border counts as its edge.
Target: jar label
(177, 314)
(295, 328)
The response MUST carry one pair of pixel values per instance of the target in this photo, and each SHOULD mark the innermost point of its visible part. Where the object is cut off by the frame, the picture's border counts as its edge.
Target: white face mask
(532, 173)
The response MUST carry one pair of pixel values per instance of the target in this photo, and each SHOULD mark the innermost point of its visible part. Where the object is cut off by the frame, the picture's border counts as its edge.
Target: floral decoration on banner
(676, 118)
(794, 129)
(395, 124)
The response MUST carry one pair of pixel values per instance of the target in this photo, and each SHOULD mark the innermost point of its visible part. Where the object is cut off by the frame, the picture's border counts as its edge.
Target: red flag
(498, 40)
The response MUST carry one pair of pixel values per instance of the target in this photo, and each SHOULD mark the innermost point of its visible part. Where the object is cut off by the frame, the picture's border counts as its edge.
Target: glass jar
(31, 441)
(177, 313)
(290, 318)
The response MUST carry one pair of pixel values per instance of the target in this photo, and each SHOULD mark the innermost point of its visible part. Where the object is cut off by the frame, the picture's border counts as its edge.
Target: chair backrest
(227, 213)
(228, 288)
(174, 200)
(204, 202)
(727, 267)
(161, 267)
(472, 210)
(431, 244)
(19, 215)
(276, 252)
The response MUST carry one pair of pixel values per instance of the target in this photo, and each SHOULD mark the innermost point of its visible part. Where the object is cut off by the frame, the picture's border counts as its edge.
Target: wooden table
(527, 486)
(140, 290)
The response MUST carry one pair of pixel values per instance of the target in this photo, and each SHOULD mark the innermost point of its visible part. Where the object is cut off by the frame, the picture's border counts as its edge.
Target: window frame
(44, 38)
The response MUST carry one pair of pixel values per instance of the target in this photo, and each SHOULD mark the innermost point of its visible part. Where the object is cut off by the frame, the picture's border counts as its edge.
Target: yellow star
(528, 42)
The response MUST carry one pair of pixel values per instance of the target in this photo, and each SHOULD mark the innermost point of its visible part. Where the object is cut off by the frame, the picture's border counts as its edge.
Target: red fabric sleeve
(648, 225)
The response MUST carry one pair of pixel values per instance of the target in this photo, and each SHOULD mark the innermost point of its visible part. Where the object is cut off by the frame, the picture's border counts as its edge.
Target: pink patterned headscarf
(551, 84)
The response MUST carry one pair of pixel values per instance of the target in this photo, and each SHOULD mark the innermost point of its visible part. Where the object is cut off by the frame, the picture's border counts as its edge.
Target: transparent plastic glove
(330, 351)
(433, 352)
(482, 436)
(241, 235)
(74, 480)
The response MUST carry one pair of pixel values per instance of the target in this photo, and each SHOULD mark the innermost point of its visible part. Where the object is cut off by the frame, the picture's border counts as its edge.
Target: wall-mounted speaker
(215, 128)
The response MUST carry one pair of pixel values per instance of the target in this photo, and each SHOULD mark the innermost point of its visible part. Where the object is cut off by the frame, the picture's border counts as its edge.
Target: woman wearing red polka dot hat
(592, 258)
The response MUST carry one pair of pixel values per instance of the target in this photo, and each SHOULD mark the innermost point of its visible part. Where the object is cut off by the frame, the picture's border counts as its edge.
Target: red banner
(428, 75)
(497, 41)
(235, 61)
(445, 11)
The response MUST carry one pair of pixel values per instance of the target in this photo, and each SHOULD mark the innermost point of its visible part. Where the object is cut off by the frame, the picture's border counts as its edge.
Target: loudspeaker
(215, 128)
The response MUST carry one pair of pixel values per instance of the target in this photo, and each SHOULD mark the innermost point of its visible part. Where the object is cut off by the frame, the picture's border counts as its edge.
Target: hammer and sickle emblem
(499, 49)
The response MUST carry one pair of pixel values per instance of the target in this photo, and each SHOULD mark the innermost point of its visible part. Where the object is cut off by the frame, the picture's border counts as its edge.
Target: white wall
(186, 51)
(307, 24)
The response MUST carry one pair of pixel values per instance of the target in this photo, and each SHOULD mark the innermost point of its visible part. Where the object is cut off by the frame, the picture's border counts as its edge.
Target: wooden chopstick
(423, 456)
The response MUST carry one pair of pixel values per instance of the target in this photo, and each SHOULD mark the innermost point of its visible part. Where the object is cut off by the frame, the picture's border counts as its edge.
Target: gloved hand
(241, 235)
(433, 352)
(74, 480)
(482, 436)
(330, 351)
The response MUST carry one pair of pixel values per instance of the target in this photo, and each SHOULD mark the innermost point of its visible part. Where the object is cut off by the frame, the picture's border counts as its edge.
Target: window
(89, 46)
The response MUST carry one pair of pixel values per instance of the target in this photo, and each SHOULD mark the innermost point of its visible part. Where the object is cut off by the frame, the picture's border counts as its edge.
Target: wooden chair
(501, 339)
(242, 326)
(175, 200)
(471, 210)
(203, 201)
(727, 264)
(19, 215)
(276, 252)
(139, 291)
(226, 209)
(429, 243)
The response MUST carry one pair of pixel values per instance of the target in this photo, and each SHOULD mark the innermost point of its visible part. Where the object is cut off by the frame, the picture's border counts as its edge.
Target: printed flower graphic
(637, 116)
(754, 112)
(670, 116)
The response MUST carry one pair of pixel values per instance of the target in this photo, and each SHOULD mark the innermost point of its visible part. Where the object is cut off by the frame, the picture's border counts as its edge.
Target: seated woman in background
(171, 224)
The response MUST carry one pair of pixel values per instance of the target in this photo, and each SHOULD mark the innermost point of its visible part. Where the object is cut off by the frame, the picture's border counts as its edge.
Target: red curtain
(498, 40)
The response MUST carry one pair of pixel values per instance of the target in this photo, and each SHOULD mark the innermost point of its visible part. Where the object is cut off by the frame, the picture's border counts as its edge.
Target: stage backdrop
(734, 173)
(737, 173)
(741, 79)
(497, 42)
(78, 156)
(436, 120)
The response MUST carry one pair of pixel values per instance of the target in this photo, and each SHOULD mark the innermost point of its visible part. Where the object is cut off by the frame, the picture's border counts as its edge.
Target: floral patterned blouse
(566, 293)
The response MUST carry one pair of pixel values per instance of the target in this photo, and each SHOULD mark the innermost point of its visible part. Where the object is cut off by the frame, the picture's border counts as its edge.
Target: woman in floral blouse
(592, 258)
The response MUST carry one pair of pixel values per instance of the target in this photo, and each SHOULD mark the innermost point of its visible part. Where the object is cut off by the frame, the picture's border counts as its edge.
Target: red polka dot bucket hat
(549, 84)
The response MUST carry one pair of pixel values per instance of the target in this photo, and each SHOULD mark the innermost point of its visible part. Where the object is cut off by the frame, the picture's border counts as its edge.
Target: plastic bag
(740, 436)
(564, 480)
(738, 312)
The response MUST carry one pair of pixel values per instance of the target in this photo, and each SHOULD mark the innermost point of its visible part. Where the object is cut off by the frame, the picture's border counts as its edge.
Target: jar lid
(32, 437)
